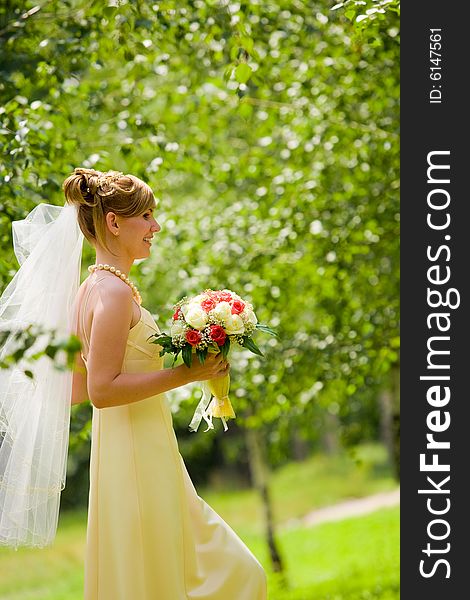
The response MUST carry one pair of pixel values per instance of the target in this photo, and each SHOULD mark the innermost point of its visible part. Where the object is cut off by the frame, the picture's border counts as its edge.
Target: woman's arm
(107, 385)
(79, 386)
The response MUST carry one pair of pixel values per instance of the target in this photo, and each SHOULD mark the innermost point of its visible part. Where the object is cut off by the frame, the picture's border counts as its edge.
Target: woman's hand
(214, 366)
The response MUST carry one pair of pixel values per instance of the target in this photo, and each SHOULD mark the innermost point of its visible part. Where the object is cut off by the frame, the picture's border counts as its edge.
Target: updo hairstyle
(96, 193)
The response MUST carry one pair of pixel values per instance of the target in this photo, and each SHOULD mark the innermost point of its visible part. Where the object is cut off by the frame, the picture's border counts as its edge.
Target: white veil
(35, 413)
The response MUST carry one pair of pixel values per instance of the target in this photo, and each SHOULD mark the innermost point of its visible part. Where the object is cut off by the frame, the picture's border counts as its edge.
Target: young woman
(150, 536)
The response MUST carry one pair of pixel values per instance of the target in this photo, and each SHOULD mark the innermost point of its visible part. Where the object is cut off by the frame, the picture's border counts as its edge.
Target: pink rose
(237, 307)
(208, 304)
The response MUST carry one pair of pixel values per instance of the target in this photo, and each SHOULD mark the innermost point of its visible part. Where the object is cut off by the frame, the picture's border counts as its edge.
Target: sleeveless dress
(149, 535)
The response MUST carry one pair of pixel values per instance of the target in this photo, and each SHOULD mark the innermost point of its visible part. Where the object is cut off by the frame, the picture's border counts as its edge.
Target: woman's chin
(142, 254)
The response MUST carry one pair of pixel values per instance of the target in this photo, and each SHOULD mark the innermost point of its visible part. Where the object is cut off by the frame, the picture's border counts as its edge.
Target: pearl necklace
(122, 276)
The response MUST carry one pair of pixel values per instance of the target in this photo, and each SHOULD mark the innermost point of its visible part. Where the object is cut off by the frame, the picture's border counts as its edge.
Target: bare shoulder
(112, 316)
(115, 285)
(112, 294)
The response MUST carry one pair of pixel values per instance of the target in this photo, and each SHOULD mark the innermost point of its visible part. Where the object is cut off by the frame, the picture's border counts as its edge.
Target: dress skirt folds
(150, 536)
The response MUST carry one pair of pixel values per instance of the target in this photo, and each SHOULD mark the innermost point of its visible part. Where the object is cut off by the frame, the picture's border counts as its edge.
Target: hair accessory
(110, 177)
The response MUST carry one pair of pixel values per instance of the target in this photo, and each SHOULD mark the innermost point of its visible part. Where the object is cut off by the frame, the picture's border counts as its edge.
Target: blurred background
(269, 133)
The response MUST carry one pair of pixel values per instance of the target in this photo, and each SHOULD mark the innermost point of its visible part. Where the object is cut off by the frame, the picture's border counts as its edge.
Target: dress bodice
(139, 349)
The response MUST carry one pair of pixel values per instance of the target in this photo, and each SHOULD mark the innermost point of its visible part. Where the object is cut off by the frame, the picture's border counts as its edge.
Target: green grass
(353, 559)
(52, 573)
(298, 488)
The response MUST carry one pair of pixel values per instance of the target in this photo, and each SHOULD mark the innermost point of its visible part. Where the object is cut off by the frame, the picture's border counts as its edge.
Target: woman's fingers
(216, 359)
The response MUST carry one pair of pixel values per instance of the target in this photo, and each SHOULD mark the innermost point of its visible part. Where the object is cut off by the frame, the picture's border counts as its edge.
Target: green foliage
(369, 16)
(225, 348)
(250, 344)
(202, 354)
(75, 493)
(269, 132)
(34, 342)
(187, 354)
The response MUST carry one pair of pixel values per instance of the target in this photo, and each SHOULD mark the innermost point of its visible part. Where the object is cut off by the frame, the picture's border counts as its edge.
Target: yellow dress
(150, 536)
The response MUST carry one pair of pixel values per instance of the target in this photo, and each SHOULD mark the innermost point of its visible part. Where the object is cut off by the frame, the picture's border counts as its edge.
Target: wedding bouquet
(211, 322)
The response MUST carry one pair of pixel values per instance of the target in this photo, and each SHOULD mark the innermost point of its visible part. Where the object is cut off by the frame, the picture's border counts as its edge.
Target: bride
(149, 535)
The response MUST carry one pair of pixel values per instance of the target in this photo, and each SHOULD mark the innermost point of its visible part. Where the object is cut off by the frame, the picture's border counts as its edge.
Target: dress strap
(83, 309)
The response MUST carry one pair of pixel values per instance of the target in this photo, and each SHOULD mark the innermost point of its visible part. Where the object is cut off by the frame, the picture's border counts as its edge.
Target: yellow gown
(149, 535)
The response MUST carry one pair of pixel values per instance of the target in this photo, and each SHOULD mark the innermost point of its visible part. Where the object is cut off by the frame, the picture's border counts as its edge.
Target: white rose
(177, 328)
(198, 299)
(234, 325)
(196, 317)
(223, 310)
(250, 316)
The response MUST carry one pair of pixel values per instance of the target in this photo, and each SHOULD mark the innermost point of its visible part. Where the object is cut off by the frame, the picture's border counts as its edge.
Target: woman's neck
(123, 263)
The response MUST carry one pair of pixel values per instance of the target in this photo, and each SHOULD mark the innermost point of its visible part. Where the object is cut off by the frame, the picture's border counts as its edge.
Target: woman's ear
(111, 223)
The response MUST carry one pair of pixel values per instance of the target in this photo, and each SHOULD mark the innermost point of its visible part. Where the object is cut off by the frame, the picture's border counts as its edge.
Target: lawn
(299, 487)
(353, 559)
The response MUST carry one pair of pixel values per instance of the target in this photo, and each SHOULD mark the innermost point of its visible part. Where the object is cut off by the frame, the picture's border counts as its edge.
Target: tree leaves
(273, 152)
(242, 72)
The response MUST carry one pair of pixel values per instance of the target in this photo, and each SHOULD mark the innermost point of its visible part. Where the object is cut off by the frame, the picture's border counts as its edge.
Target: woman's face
(135, 234)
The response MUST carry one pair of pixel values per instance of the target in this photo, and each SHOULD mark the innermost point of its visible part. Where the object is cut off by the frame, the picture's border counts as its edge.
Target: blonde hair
(96, 193)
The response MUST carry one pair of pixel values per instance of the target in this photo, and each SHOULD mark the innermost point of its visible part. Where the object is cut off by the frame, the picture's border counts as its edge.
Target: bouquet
(211, 322)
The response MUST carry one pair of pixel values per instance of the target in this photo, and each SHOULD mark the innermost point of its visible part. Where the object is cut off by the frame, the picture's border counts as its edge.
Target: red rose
(176, 313)
(237, 307)
(193, 337)
(225, 297)
(208, 304)
(218, 335)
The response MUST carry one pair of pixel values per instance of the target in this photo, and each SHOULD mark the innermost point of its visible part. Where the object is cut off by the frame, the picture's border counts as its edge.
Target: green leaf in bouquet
(165, 350)
(161, 339)
(215, 347)
(187, 354)
(201, 354)
(225, 347)
(266, 329)
(250, 345)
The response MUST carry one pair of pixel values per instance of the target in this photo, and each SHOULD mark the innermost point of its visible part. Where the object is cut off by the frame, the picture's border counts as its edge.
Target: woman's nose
(156, 226)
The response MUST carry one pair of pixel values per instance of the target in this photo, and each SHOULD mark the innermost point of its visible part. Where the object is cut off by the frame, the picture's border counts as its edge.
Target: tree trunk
(300, 447)
(389, 403)
(386, 423)
(259, 475)
(330, 436)
(395, 388)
